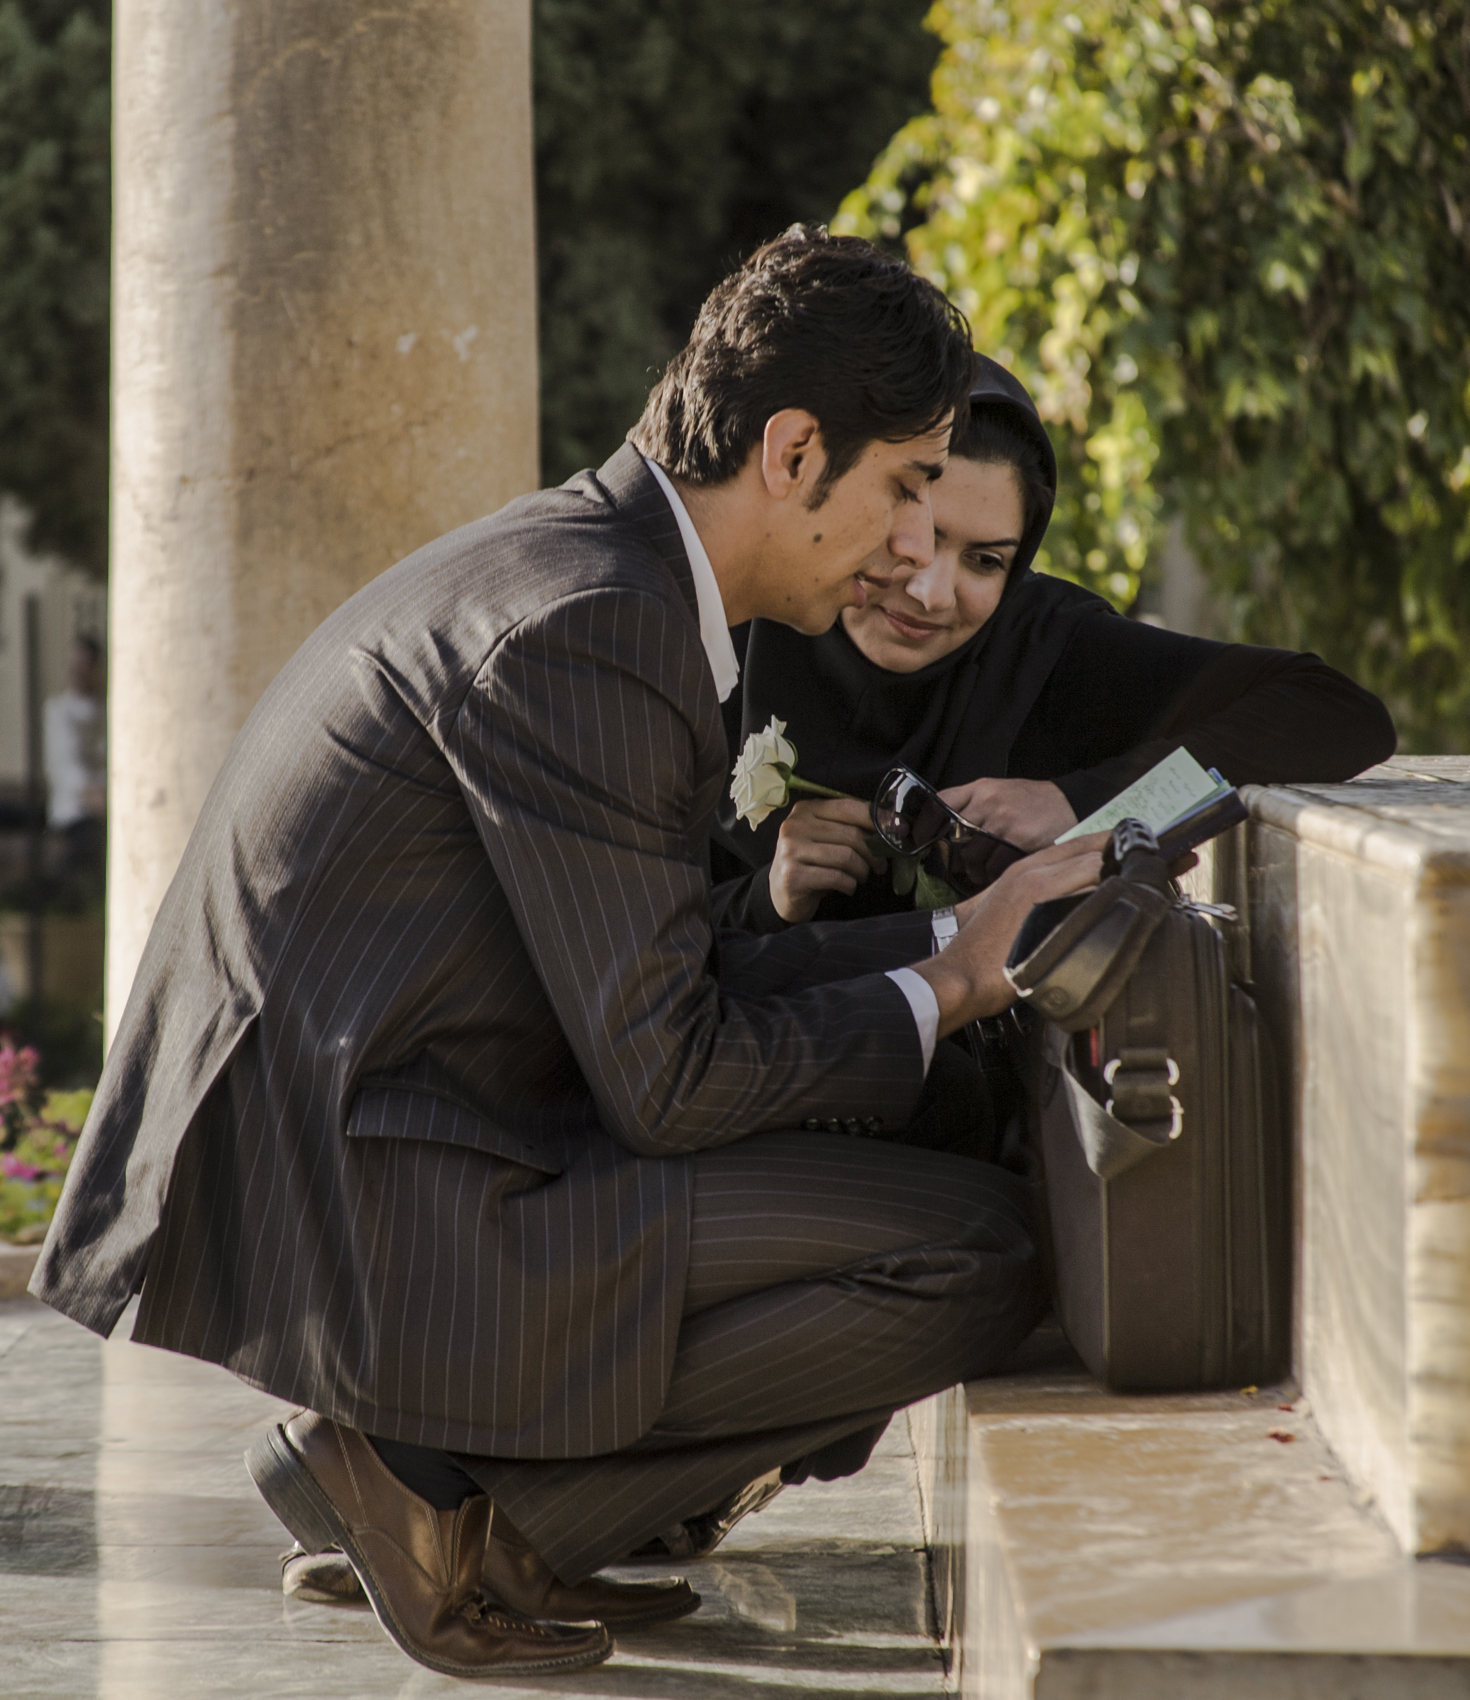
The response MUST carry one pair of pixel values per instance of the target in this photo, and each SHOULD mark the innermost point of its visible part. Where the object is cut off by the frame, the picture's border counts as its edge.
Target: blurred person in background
(75, 742)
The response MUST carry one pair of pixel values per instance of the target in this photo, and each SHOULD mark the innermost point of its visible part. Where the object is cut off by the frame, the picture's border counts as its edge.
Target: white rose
(763, 773)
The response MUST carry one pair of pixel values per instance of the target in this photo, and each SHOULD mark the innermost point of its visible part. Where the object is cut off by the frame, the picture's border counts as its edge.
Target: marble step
(1090, 1546)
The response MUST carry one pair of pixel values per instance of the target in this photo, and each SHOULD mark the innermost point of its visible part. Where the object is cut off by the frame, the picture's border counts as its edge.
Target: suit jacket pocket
(399, 1112)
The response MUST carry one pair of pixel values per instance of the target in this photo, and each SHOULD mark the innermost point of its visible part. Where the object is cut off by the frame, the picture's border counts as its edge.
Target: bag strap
(1142, 1075)
(1077, 970)
(1110, 1145)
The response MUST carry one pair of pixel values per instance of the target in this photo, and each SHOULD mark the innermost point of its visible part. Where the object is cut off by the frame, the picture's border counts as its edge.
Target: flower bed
(38, 1135)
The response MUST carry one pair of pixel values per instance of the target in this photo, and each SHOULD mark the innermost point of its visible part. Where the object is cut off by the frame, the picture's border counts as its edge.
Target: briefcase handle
(1073, 956)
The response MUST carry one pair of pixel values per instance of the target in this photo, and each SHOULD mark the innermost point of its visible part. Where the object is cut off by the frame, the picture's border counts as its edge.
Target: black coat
(1059, 687)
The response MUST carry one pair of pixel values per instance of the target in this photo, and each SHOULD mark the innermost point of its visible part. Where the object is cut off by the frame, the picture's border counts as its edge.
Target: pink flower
(13, 1169)
(18, 1070)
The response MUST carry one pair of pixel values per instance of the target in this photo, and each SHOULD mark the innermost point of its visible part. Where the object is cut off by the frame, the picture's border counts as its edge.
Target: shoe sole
(292, 1492)
(310, 1596)
(654, 1614)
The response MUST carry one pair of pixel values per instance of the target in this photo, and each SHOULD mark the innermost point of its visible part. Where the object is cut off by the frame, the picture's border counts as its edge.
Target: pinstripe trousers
(831, 1281)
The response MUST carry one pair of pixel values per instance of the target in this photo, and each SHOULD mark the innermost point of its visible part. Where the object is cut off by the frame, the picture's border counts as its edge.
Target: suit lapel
(634, 492)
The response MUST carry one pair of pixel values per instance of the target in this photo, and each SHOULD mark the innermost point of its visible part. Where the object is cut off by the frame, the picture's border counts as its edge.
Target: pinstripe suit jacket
(398, 1118)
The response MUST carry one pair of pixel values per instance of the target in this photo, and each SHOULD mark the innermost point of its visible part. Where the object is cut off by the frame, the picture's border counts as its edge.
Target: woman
(1026, 697)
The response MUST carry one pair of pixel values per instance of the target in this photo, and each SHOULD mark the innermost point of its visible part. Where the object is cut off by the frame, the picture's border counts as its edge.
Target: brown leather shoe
(322, 1578)
(515, 1575)
(420, 1567)
(697, 1537)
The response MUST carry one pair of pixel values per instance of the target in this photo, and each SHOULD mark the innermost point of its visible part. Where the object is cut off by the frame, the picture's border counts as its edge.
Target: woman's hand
(967, 979)
(822, 847)
(1027, 812)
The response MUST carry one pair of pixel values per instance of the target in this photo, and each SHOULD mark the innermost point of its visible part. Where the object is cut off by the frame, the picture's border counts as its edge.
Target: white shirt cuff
(924, 1004)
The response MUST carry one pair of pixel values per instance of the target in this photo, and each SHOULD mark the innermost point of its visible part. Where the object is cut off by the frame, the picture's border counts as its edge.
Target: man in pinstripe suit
(437, 1107)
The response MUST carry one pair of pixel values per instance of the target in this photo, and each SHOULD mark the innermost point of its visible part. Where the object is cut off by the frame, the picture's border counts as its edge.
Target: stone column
(324, 354)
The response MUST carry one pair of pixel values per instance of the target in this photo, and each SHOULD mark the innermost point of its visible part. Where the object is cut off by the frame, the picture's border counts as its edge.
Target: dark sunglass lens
(897, 806)
(908, 813)
(931, 820)
(910, 816)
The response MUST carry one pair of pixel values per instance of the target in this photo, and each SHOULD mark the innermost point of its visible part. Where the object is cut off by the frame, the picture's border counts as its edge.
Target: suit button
(873, 1126)
(833, 1125)
(811, 1125)
(852, 1126)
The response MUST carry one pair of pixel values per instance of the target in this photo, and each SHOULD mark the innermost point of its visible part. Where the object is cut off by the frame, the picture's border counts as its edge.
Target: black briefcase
(1162, 1142)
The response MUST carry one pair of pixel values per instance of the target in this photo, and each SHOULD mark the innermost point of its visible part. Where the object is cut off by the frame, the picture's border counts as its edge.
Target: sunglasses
(912, 818)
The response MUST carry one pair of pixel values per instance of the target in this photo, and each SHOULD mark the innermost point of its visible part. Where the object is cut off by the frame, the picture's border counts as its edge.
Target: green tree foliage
(55, 188)
(1228, 247)
(672, 137)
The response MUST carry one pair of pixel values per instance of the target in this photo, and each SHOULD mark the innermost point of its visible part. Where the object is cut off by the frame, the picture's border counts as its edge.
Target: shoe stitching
(402, 1487)
(456, 1538)
(338, 1436)
(478, 1614)
(398, 1547)
(485, 1616)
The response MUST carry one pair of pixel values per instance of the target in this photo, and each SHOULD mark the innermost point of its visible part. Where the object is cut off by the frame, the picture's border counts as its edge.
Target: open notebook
(1165, 797)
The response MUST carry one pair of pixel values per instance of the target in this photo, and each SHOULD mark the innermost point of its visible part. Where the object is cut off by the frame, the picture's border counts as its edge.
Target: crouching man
(437, 1107)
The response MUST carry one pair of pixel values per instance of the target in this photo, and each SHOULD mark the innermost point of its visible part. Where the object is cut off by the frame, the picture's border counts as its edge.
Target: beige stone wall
(324, 354)
(1358, 899)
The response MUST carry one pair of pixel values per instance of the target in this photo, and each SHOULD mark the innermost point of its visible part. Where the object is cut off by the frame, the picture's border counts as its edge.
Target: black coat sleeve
(1124, 694)
(745, 904)
(821, 953)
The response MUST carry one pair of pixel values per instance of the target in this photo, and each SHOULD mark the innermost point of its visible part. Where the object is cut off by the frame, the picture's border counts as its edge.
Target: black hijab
(952, 721)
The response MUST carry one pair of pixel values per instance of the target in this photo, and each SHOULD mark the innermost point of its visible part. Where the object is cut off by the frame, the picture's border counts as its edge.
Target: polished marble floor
(138, 1563)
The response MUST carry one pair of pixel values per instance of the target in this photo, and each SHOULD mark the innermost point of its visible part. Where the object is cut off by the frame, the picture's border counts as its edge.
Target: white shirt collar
(714, 630)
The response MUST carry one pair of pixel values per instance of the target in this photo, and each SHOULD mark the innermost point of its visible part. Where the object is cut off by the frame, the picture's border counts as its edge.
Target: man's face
(875, 519)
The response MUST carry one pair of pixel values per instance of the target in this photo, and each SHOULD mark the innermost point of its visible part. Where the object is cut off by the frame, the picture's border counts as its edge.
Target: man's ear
(792, 458)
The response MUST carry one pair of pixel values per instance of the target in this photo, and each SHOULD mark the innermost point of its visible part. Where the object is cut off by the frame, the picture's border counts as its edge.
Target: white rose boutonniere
(765, 777)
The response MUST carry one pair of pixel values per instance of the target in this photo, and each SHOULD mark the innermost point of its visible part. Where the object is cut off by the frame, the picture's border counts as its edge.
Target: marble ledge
(1411, 827)
(1093, 1545)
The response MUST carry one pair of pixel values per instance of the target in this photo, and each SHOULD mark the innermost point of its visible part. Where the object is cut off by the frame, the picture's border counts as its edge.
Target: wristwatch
(945, 927)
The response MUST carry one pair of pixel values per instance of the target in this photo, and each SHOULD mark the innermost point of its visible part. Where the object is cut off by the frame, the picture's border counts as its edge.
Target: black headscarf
(952, 721)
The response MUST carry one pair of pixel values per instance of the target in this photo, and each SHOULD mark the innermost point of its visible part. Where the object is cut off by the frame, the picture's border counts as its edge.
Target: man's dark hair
(990, 438)
(825, 323)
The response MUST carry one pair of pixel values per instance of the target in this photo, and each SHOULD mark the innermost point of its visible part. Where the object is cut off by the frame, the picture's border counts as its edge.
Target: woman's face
(923, 615)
